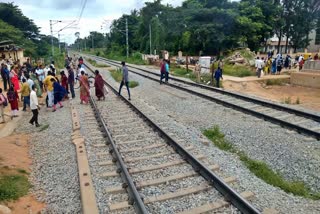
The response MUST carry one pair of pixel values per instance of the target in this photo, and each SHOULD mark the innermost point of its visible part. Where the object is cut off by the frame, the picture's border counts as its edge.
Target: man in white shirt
(29, 81)
(259, 65)
(40, 73)
(34, 106)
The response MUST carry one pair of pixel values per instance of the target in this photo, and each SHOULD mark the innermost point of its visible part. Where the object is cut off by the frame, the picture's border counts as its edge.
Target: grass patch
(95, 64)
(22, 171)
(13, 187)
(276, 82)
(289, 101)
(134, 58)
(13, 184)
(117, 76)
(236, 70)
(259, 168)
(44, 127)
(217, 137)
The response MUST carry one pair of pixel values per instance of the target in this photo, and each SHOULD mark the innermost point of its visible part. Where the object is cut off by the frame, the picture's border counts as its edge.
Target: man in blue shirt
(217, 76)
(5, 76)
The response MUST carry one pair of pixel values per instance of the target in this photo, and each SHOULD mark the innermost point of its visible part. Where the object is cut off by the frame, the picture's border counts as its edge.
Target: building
(272, 45)
(315, 41)
(9, 50)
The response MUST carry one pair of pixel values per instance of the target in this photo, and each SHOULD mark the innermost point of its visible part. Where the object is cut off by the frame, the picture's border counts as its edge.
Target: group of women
(85, 87)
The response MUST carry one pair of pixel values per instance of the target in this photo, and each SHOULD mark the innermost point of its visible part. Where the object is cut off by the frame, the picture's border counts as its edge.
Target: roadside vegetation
(259, 168)
(279, 82)
(134, 58)
(290, 101)
(117, 76)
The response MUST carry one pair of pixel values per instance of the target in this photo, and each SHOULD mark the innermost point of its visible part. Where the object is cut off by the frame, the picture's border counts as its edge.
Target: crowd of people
(274, 65)
(34, 81)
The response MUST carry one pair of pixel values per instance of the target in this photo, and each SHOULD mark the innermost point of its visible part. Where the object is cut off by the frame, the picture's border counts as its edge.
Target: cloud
(95, 12)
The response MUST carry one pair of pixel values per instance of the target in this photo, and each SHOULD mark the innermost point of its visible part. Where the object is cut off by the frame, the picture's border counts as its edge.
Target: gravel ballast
(54, 166)
(292, 154)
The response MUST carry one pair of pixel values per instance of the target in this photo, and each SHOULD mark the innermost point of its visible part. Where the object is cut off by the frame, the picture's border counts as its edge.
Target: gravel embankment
(54, 165)
(295, 157)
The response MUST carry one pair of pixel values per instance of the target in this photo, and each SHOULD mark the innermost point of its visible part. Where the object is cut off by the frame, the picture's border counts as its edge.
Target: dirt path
(308, 97)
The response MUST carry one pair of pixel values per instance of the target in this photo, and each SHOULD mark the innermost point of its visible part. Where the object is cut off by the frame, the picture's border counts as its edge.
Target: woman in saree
(84, 88)
(64, 83)
(14, 78)
(59, 93)
(34, 78)
(99, 85)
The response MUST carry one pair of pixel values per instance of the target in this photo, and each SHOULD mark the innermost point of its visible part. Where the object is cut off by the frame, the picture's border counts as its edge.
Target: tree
(13, 15)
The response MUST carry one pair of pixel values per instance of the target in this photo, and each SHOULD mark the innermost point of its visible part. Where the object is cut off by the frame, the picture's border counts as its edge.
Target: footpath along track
(159, 174)
(303, 122)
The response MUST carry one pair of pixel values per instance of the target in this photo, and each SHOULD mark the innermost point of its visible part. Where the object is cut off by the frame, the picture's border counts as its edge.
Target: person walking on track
(99, 85)
(167, 71)
(34, 107)
(84, 88)
(125, 79)
(71, 81)
(162, 70)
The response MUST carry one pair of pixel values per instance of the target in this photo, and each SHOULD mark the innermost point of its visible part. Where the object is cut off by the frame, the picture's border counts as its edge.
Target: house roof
(8, 45)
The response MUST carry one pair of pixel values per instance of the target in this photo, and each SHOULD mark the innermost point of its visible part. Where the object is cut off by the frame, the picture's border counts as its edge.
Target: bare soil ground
(14, 154)
(309, 97)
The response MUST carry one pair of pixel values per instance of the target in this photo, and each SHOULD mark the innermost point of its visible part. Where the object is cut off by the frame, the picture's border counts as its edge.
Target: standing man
(34, 107)
(40, 73)
(25, 94)
(5, 76)
(167, 71)
(162, 70)
(212, 72)
(220, 65)
(29, 81)
(49, 86)
(217, 76)
(125, 78)
(71, 81)
(259, 65)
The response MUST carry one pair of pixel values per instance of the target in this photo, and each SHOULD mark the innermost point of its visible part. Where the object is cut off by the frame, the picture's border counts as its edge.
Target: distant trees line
(209, 26)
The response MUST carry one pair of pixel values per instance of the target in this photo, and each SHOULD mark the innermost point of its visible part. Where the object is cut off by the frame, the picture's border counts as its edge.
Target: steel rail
(230, 195)
(299, 129)
(239, 96)
(134, 196)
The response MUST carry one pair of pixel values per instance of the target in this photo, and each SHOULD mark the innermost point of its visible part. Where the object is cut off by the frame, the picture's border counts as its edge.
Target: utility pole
(59, 42)
(52, 48)
(85, 44)
(127, 39)
(92, 42)
(150, 38)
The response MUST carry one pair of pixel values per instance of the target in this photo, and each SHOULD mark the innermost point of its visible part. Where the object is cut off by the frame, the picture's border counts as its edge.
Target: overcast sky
(95, 12)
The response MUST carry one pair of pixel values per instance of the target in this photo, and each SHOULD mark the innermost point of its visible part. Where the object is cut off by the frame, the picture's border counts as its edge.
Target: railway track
(303, 122)
(159, 174)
